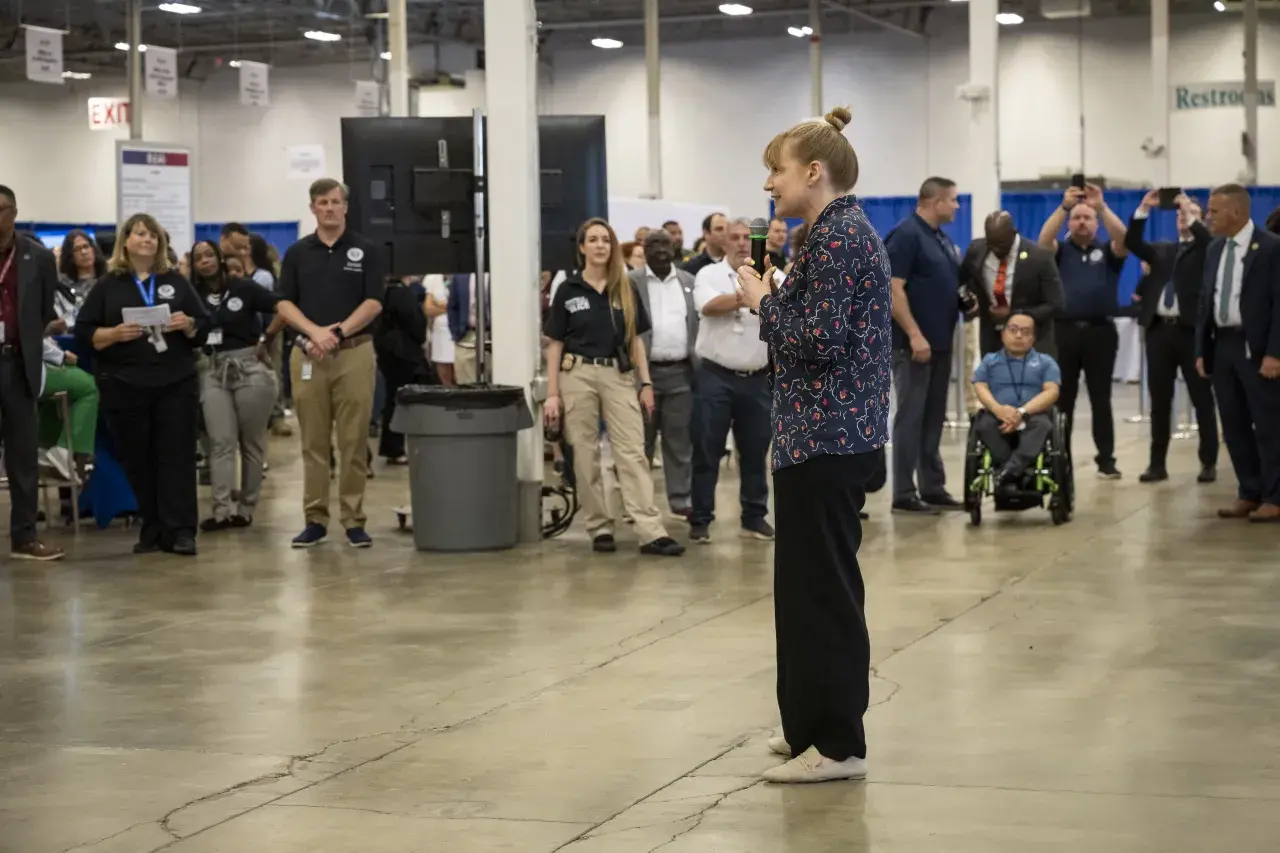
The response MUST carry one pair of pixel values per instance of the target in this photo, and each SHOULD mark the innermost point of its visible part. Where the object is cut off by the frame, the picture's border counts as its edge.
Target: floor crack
(699, 816)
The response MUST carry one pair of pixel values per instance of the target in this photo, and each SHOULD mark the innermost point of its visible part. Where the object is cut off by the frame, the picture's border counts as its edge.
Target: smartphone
(1077, 180)
(1169, 197)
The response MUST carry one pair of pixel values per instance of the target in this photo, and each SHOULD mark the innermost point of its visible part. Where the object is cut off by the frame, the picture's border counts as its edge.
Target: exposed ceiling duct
(1057, 10)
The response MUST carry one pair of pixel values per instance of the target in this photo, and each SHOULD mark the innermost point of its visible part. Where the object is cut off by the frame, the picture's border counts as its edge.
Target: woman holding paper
(146, 325)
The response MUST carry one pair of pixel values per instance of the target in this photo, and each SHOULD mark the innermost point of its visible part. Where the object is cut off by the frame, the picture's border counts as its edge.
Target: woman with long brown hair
(595, 362)
(147, 381)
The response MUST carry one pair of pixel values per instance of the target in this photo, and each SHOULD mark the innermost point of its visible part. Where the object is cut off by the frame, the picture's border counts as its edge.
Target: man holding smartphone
(1085, 332)
(1168, 299)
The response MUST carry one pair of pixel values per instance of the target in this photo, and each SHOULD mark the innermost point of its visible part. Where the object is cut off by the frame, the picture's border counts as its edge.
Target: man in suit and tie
(1168, 300)
(667, 295)
(28, 280)
(1008, 275)
(1238, 344)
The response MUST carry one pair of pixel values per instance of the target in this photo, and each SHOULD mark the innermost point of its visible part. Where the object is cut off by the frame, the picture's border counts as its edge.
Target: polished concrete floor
(1111, 685)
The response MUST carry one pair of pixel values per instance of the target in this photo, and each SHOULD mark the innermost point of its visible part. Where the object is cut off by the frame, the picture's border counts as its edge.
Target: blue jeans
(724, 400)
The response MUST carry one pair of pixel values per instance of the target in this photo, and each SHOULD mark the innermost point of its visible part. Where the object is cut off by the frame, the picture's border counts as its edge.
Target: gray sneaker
(758, 529)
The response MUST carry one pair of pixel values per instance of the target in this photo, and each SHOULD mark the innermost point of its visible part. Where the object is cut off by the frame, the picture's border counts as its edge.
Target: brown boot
(1267, 513)
(1239, 509)
(36, 550)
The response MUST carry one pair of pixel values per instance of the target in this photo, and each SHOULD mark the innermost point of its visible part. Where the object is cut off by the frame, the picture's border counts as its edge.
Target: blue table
(108, 494)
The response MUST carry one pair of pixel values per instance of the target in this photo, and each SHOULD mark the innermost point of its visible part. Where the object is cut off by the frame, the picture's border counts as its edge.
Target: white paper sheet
(157, 316)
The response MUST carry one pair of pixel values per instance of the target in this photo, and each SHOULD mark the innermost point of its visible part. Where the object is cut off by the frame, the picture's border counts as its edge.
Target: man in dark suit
(1168, 300)
(1008, 275)
(28, 279)
(1238, 344)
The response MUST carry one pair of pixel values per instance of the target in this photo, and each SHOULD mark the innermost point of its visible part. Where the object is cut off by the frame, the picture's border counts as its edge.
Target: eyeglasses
(1019, 331)
(5, 208)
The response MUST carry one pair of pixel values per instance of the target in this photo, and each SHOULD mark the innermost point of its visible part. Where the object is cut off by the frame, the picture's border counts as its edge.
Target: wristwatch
(1022, 410)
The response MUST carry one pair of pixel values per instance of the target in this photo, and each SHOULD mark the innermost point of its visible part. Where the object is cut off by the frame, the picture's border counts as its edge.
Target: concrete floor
(1110, 685)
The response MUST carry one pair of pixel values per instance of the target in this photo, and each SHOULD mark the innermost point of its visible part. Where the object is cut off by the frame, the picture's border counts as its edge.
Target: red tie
(998, 289)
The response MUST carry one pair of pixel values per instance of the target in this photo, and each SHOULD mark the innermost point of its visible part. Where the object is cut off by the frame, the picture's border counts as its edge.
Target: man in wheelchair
(1017, 388)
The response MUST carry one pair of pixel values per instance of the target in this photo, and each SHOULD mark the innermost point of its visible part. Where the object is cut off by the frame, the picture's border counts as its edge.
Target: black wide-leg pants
(824, 652)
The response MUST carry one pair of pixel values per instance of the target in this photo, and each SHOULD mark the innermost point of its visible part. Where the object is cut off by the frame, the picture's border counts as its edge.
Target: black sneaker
(313, 534)
(358, 538)
(663, 547)
(1108, 471)
(700, 533)
(757, 528)
(1153, 475)
(942, 501)
(184, 546)
(240, 521)
(1208, 474)
(914, 506)
(213, 525)
(604, 544)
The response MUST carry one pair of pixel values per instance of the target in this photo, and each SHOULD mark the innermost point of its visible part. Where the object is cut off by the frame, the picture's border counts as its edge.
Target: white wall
(721, 101)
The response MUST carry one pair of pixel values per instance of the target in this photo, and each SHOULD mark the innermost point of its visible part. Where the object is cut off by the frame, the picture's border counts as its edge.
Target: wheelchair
(1051, 478)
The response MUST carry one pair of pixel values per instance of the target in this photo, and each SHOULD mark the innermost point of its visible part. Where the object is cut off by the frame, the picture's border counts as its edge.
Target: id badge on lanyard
(4, 271)
(155, 334)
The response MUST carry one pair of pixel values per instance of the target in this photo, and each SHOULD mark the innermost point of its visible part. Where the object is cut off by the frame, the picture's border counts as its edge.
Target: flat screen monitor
(412, 188)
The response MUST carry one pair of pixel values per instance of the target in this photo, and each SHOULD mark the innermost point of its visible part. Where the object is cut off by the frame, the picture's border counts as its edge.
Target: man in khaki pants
(331, 286)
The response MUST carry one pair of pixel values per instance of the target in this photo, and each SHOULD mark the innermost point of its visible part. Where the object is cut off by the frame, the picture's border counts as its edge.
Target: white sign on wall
(44, 55)
(162, 71)
(254, 88)
(108, 113)
(306, 161)
(156, 179)
(368, 98)
(1211, 95)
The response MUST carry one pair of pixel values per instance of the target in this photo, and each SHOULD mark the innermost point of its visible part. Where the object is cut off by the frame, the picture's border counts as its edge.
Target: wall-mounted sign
(254, 86)
(156, 179)
(1212, 95)
(162, 71)
(306, 161)
(368, 98)
(108, 113)
(44, 55)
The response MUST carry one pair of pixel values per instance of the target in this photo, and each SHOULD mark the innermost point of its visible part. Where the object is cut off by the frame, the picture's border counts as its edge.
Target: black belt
(669, 363)
(1084, 323)
(10, 350)
(745, 374)
(1229, 331)
(602, 361)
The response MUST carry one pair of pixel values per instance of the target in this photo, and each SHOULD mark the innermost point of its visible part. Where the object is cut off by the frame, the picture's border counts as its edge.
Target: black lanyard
(1022, 375)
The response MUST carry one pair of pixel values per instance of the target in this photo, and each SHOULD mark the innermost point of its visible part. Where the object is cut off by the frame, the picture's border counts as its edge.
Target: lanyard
(1022, 375)
(149, 292)
(13, 252)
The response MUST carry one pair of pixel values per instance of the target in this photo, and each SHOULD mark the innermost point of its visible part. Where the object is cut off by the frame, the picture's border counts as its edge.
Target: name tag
(306, 370)
(215, 337)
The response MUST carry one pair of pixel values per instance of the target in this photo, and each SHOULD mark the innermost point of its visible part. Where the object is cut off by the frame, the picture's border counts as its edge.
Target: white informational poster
(162, 71)
(368, 98)
(156, 179)
(306, 161)
(44, 55)
(108, 113)
(254, 88)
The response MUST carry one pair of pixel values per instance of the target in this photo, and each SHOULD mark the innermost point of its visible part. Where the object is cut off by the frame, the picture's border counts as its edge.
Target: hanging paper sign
(162, 71)
(254, 90)
(306, 161)
(368, 98)
(44, 55)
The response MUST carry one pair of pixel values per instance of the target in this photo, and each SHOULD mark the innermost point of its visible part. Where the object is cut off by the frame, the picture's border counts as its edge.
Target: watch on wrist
(1022, 410)
(337, 331)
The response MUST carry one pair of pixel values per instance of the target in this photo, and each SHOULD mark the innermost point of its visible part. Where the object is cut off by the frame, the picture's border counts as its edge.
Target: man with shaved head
(1085, 330)
(1008, 275)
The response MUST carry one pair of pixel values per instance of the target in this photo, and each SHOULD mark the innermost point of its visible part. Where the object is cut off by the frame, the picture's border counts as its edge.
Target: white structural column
(398, 67)
(134, 29)
(983, 96)
(1159, 151)
(815, 57)
(511, 74)
(653, 85)
(1251, 91)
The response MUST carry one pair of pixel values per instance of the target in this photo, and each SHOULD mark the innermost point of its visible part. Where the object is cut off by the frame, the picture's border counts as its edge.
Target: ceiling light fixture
(1219, 5)
(124, 45)
(76, 75)
(179, 8)
(800, 32)
(321, 35)
(386, 54)
(1008, 19)
(607, 44)
(735, 9)
(235, 63)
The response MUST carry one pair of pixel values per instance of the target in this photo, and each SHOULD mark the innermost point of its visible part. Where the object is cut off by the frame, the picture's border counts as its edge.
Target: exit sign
(108, 113)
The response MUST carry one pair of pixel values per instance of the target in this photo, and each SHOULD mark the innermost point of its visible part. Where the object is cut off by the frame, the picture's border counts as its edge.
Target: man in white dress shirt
(1238, 344)
(667, 294)
(733, 393)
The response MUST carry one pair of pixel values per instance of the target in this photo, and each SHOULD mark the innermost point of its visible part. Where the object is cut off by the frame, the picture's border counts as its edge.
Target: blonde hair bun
(839, 118)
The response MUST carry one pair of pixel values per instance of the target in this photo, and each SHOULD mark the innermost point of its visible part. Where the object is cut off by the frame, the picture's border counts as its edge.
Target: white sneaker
(779, 746)
(58, 459)
(812, 766)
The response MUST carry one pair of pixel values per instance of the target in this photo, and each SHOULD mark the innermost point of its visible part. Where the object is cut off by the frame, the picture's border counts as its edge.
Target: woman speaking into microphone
(827, 327)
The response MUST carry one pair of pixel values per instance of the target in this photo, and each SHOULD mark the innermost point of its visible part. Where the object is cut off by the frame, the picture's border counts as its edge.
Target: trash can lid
(461, 397)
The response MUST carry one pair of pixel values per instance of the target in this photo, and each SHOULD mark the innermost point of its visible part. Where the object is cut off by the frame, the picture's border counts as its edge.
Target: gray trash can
(462, 464)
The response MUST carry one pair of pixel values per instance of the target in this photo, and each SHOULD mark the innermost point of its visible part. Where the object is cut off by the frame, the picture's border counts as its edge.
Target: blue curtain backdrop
(279, 234)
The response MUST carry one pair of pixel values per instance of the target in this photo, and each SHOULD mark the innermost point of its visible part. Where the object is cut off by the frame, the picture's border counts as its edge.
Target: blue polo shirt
(1015, 381)
(929, 262)
(1090, 280)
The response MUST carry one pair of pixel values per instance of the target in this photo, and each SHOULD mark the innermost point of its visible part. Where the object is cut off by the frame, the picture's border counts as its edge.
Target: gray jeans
(238, 393)
(918, 418)
(672, 417)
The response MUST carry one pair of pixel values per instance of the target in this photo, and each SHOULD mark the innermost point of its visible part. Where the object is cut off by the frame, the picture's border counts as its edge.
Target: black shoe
(700, 533)
(213, 525)
(942, 501)
(146, 548)
(240, 521)
(1108, 471)
(663, 547)
(914, 506)
(757, 528)
(184, 545)
(604, 544)
(1153, 475)
(1208, 474)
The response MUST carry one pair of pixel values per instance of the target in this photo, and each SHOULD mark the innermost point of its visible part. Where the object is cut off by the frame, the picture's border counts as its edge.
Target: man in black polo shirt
(715, 229)
(1086, 333)
(926, 274)
(331, 286)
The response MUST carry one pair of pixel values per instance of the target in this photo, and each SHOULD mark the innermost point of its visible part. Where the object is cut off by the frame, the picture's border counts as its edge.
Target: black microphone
(759, 233)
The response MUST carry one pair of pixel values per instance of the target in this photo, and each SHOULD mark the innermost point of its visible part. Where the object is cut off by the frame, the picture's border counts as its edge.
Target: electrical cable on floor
(559, 506)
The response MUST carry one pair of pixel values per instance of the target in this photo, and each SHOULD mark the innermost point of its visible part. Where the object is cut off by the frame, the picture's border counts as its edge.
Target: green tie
(1228, 273)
